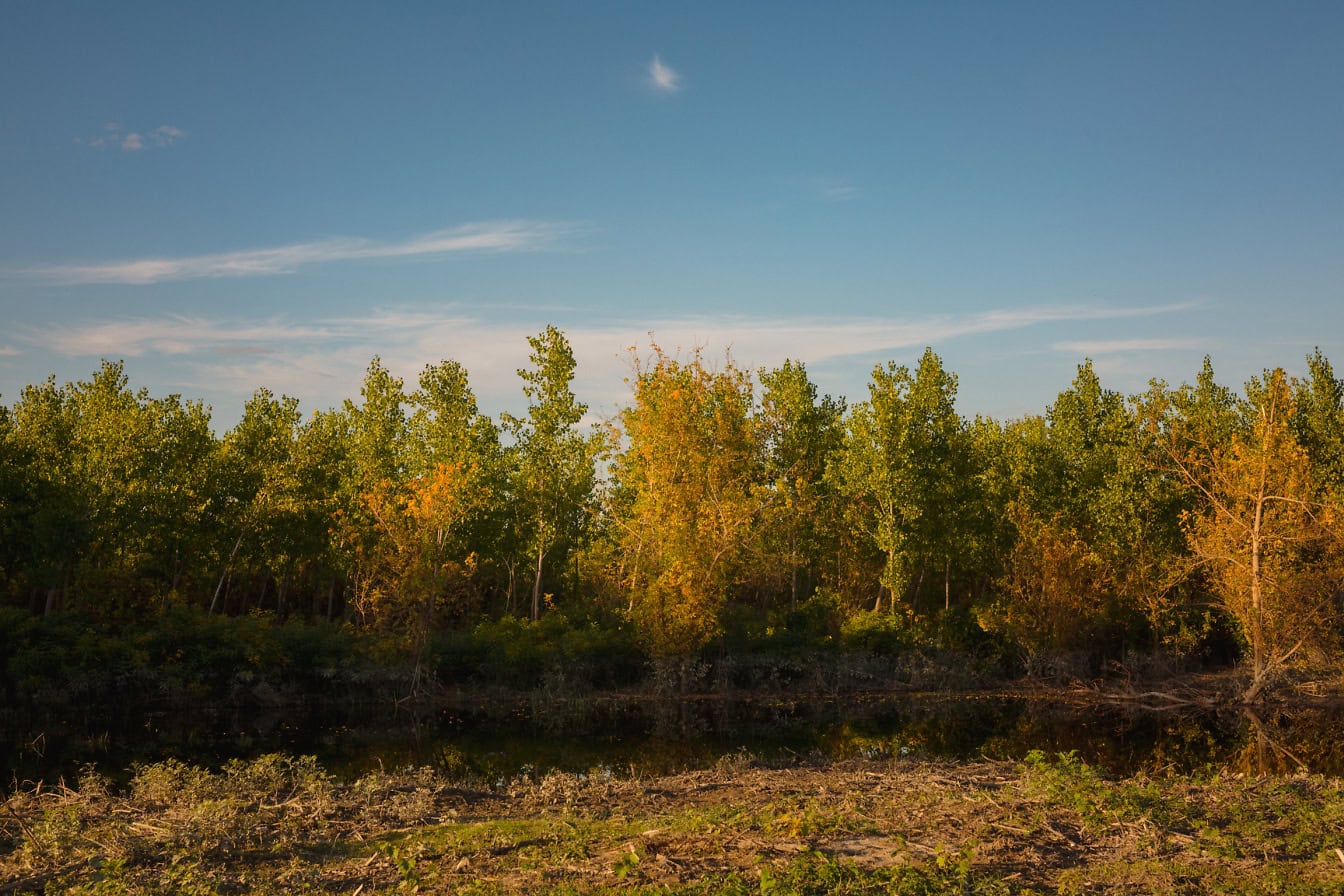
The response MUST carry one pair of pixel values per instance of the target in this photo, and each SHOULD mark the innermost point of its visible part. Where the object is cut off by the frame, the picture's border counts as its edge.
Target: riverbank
(284, 825)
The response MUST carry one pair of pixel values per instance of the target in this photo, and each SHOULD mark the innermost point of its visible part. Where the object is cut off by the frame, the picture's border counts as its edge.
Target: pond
(623, 735)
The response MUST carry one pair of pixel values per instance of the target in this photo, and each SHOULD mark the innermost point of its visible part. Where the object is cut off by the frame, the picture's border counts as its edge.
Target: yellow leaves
(443, 494)
(688, 467)
(1053, 589)
(415, 554)
(1264, 533)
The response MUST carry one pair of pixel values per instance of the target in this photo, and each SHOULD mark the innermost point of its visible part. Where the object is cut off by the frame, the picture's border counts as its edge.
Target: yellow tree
(1053, 591)
(1267, 536)
(416, 562)
(683, 498)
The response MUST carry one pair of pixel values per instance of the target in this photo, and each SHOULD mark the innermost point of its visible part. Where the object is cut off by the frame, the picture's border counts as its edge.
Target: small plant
(627, 863)
(405, 861)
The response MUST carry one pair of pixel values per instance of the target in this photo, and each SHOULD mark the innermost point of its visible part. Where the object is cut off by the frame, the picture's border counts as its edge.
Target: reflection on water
(1279, 742)
(652, 736)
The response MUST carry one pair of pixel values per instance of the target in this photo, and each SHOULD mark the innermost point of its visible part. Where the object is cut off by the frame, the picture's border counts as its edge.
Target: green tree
(375, 457)
(260, 497)
(15, 506)
(55, 523)
(904, 465)
(1318, 424)
(378, 433)
(553, 463)
(449, 433)
(130, 479)
(798, 434)
(321, 488)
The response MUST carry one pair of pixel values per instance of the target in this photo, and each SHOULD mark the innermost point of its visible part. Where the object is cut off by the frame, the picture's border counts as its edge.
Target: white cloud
(663, 77)
(9, 351)
(167, 135)
(133, 141)
(499, 236)
(1117, 346)
(174, 335)
(323, 361)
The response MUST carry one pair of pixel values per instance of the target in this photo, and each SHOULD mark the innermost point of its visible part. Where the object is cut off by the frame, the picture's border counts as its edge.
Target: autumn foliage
(1190, 523)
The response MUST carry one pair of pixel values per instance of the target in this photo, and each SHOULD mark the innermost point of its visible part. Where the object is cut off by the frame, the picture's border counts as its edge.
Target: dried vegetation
(282, 825)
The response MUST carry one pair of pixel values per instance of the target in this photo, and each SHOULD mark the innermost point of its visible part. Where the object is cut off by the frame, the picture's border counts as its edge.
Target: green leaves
(906, 466)
(551, 463)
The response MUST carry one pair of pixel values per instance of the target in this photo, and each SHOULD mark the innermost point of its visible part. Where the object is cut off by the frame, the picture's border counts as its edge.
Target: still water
(645, 736)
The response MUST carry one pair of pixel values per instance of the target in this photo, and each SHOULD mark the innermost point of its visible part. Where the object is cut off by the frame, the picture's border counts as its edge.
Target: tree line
(1182, 522)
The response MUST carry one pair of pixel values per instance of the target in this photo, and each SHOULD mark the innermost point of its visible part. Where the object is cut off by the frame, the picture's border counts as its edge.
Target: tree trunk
(536, 588)
(1259, 662)
(919, 583)
(947, 583)
(793, 571)
(225, 574)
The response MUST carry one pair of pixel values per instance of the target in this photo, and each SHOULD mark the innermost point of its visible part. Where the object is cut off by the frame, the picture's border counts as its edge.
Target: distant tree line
(1179, 522)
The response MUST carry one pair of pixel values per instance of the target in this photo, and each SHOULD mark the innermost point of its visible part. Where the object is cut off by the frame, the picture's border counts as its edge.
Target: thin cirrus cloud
(176, 335)
(751, 339)
(494, 236)
(663, 77)
(322, 361)
(1118, 346)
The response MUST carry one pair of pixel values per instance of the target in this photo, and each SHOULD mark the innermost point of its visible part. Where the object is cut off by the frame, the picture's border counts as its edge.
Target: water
(645, 736)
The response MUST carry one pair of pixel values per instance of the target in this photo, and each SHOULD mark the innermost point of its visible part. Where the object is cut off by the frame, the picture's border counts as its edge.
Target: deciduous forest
(724, 512)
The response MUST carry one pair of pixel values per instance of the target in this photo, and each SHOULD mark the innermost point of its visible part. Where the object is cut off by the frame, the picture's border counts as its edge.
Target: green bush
(522, 654)
(881, 633)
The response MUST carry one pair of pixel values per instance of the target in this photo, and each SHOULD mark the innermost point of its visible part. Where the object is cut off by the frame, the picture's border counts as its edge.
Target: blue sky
(229, 196)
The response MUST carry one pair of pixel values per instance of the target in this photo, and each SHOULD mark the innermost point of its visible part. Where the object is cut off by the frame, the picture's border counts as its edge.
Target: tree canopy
(715, 501)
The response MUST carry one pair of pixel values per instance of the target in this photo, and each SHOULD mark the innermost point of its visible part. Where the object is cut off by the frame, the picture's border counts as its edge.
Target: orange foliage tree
(683, 500)
(415, 562)
(1268, 535)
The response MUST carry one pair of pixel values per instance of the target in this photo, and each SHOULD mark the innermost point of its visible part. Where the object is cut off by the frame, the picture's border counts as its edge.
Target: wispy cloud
(114, 135)
(835, 189)
(9, 351)
(322, 361)
(1117, 346)
(756, 341)
(496, 236)
(663, 77)
(176, 335)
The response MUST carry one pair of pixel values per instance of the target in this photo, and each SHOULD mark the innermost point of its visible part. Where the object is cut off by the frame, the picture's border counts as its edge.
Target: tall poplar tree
(798, 432)
(451, 441)
(552, 467)
(903, 464)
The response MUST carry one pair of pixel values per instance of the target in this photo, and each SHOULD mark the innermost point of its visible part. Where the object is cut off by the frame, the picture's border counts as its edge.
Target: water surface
(498, 739)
